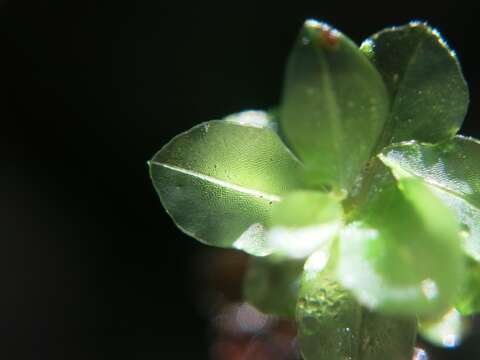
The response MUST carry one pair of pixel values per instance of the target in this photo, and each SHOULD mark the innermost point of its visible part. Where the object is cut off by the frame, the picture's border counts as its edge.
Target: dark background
(91, 267)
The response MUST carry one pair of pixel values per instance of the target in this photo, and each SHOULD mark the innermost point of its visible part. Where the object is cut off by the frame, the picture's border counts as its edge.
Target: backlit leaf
(334, 106)
(219, 180)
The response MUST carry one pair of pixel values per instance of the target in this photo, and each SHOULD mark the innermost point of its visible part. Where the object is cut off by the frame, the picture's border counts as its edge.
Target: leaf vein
(252, 192)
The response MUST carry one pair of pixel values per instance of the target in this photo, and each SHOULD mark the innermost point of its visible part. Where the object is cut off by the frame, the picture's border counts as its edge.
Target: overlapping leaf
(452, 170)
(429, 96)
(403, 254)
(334, 106)
(219, 180)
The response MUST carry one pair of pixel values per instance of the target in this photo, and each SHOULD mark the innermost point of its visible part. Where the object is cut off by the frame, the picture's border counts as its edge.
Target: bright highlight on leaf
(358, 170)
(303, 222)
(219, 180)
(448, 331)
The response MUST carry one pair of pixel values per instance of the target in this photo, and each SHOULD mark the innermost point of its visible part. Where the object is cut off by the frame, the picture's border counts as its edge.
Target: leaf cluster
(358, 202)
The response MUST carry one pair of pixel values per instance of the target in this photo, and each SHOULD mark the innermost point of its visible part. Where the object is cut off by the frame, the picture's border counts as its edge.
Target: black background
(91, 267)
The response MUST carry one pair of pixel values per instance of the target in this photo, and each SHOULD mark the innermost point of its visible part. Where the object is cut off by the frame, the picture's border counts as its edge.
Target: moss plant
(359, 204)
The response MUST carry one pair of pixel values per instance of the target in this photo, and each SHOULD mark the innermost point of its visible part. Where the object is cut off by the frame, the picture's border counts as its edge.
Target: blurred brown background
(91, 267)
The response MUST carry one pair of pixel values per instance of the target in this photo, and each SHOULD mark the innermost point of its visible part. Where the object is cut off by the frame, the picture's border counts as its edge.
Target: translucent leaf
(403, 254)
(452, 170)
(448, 331)
(468, 302)
(429, 95)
(303, 222)
(271, 285)
(219, 180)
(333, 99)
(332, 325)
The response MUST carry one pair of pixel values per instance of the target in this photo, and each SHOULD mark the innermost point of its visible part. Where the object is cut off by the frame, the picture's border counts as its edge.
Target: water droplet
(420, 354)
(449, 331)
(429, 289)
(464, 231)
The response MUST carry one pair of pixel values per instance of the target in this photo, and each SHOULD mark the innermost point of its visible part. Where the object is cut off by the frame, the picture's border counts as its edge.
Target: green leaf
(452, 171)
(429, 96)
(333, 326)
(468, 302)
(334, 101)
(403, 255)
(449, 331)
(219, 180)
(271, 285)
(303, 222)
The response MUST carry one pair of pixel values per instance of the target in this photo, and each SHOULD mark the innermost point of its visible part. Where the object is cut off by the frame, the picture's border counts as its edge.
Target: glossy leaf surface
(403, 253)
(452, 170)
(332, 325)
(219, 180)
(334, 106)
(303, 222)
(429, 96)
(271, 285)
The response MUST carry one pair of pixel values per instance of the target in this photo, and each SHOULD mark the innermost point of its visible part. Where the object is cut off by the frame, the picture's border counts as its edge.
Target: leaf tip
(430, 30)
(322, 33)
(419, 23)
(368, 47)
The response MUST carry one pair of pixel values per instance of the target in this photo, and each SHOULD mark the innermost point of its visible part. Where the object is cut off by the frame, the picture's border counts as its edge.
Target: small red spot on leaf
(329, 37)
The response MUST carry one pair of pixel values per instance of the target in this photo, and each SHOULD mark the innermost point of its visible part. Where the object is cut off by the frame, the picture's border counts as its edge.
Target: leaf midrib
(401, 83)
(441, 187)
(337, 133)
(225, 184)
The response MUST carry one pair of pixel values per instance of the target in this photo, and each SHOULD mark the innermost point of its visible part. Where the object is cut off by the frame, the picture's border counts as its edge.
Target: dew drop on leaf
(420, 354)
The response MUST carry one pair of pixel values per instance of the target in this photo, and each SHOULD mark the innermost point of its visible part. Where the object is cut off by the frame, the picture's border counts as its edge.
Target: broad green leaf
(468, 302)
(449, 331)
(452, 171)
(333, 326)
(271, 285)
(303, 222)
(403, 255)
(334, 106)
(219, 180)
(429, 96)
